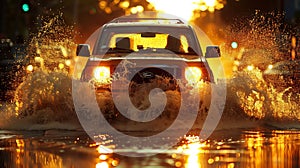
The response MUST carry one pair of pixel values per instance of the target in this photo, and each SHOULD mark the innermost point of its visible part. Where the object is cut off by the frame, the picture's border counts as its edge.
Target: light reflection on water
(278, 148)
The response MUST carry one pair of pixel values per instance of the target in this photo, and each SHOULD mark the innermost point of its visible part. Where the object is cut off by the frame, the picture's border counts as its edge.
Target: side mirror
(212, 52)
(83, 50)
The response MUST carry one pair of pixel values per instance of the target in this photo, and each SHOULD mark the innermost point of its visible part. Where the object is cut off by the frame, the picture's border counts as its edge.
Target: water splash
(53, 47)
(261, 100)
(44, 96)
(267, 37)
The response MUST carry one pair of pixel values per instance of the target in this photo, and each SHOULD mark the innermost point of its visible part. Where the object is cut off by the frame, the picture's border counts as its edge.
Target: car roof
(146, 25)
(153, 22)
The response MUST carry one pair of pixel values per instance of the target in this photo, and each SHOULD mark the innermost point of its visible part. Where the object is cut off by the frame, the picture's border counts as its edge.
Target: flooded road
(260, 125)
(43, 133)
(226, 148)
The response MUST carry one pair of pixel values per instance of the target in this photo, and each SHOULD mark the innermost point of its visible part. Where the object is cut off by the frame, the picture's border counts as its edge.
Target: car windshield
(179, 42)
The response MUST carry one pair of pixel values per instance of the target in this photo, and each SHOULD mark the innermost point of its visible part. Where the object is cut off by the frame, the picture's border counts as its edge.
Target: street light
(234, 45)
(25, 5)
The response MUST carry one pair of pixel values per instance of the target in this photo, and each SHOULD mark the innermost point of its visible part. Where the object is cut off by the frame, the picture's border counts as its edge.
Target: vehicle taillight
(102, 74)
(193, 74)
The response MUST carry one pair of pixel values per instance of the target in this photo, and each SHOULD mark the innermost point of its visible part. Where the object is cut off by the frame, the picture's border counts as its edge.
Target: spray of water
(268, 38)
(44, 96)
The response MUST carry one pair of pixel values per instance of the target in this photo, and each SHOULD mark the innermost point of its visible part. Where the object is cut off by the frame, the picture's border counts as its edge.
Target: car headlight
(193, 74)
(102, 74)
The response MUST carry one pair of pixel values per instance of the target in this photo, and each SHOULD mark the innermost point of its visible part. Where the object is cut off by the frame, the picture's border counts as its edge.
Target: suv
(153, 48)
(255, 58)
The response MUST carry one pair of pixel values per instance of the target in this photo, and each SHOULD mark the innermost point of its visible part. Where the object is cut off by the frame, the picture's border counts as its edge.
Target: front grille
(148, 74)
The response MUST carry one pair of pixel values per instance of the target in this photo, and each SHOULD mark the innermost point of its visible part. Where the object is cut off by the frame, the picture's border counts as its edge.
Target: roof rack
(154, 20)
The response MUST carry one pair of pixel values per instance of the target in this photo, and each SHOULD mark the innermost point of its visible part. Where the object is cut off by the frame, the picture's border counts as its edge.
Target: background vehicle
(284, 74)
(251, 58)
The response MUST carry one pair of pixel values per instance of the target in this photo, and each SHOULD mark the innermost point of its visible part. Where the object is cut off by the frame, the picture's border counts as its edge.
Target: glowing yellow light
(20, 152)
(133, 10)
(124, 4)
(178, 164)
(210, 3)
(108, 10)
(103, 149)
(38, 59)
(116, 1)
(102, 74)
(150, 6)
(61, 66)
(103, 157)
(29, 68)
(270, 66)
(64, 51)
(294, 42)
(203, 8)
(38, 51)
(180, 149)
(219, 6)
(115, 163)
(185, 9)
(193, 74)
(193, 159)
(102, 165)
(68, 62)
(140, 8)
(20, 143)
(231, 165)
(102, 4)
(210, 161)
(250, 67)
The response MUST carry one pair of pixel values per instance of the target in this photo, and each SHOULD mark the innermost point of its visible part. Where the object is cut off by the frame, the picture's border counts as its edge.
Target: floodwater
(259, 127)
(226, 148)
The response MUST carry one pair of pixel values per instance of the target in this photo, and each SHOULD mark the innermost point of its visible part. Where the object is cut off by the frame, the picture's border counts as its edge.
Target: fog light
(102, 74)
(193, 74)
